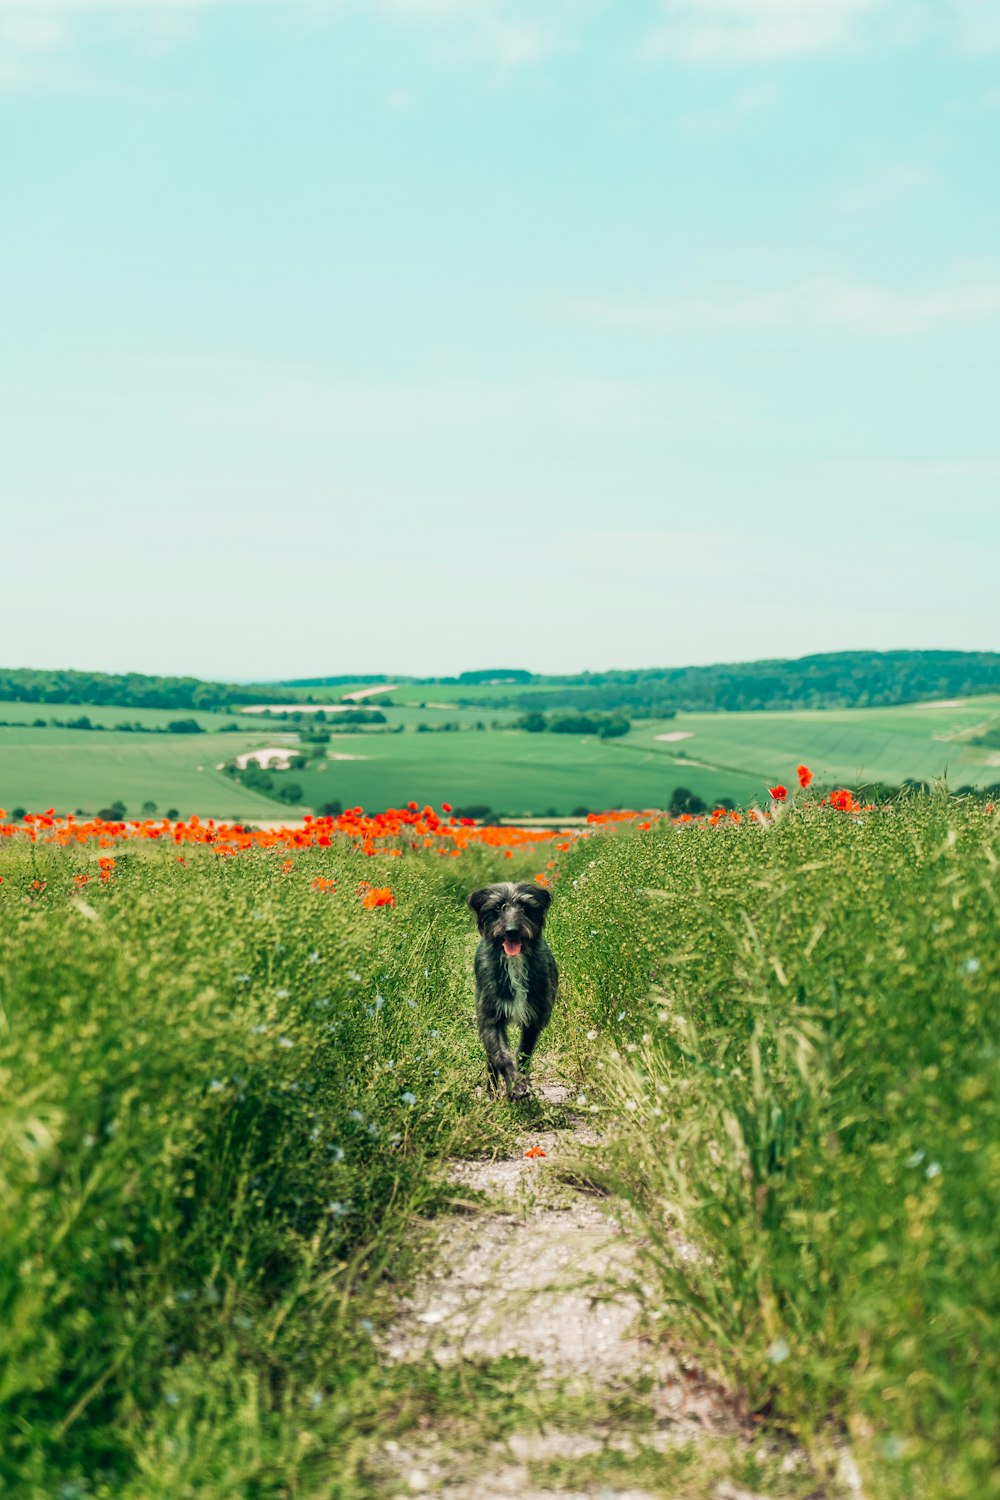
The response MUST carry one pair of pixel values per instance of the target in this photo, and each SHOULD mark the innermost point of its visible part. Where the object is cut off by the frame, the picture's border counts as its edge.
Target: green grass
(805, 1060)
(226, 1098)
(78, 768)
(509, 770)
(727, 755)
(850, 746)
(151, 718)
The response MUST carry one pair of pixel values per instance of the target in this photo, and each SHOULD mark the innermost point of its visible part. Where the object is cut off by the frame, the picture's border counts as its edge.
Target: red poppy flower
(779, 793)
(804, 774)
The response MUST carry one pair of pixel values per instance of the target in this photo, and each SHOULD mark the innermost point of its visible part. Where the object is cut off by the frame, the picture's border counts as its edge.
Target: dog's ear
(539, 894)
(478, 899)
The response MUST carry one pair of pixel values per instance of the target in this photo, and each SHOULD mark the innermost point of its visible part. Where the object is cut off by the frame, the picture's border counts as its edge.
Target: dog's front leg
(499, 1062)
(529, 1041)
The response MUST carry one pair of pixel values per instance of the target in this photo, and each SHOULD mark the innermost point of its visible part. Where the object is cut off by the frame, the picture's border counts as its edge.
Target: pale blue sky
(418, 335)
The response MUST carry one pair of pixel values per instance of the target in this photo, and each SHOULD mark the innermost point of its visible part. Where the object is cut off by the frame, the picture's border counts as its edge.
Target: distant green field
(151, 718)
(723, 755)
(508, 770)
(921, 741)
(77, 768)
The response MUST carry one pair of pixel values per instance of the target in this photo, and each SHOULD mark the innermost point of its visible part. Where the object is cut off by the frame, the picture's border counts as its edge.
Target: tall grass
(224, 1095)
(806, 1072)
(222, 1092)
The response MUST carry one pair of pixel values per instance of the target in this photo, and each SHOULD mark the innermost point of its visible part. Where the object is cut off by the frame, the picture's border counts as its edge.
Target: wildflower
(933, 1170)
(378, 896)
(779, 793)
(534, 1151)
(408, 1098)
(778, 1351)
(285, 1041)
(804, 774)
(445, 807)
(80, 880)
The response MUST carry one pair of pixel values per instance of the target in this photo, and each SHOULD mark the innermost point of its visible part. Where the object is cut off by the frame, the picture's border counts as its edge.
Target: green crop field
(231, 1092)
(74, 768)
(508, 770)
(920, 741)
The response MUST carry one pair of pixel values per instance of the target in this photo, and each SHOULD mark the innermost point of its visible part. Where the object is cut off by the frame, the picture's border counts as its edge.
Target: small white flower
(593, 1109)
(357, 1115)
(408, 1098)
(915, 1159)
(971, 966)
(314, 957)
(581, 1099)
(591, 1036)
(282, 994)
(338, 1210)
(285, 1041)
(631, 1106)
(353, 974)
(216, 1086)
(933, 1169)
(778, 1351)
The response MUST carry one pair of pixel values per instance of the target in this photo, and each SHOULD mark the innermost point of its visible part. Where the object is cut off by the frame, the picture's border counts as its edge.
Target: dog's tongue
(512, 946)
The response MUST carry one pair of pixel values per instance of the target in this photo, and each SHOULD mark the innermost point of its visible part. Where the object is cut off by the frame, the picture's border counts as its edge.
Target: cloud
(729, 33)
(508, 33)
(726, 32)
(826, 303)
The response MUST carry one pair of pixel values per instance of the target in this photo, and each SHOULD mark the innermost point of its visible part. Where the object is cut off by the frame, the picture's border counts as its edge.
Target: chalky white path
(544, 1274)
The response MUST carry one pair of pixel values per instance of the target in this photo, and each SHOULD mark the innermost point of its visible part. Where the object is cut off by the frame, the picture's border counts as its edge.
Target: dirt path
(541, 1271)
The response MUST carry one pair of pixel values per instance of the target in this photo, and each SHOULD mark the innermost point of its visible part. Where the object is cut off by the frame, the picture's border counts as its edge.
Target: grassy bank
(802, 1019)
(222, 1089)
(228, 1083)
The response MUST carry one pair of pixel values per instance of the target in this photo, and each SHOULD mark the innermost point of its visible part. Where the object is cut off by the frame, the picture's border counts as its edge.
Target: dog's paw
(520, 1088)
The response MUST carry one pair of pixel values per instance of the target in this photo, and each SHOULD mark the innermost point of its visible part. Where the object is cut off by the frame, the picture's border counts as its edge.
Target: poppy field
(235, 1061)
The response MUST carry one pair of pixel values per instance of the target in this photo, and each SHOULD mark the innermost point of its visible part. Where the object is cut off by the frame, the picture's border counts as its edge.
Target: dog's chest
(513, 996)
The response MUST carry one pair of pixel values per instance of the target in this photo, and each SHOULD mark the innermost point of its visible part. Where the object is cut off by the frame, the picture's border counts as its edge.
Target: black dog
(516, 976)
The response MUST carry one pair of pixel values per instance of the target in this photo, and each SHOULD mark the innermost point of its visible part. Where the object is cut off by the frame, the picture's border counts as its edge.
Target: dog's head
(511, 915)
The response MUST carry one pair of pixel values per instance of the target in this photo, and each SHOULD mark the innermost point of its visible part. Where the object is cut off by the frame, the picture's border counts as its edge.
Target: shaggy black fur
(516, 977)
